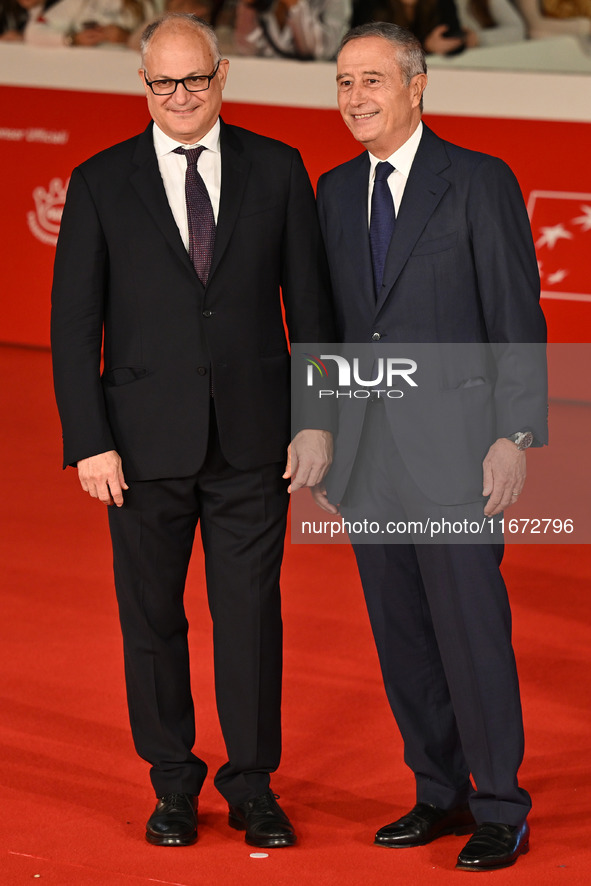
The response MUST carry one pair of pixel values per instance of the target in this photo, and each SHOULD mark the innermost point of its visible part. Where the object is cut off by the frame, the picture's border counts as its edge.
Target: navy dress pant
(441, 620)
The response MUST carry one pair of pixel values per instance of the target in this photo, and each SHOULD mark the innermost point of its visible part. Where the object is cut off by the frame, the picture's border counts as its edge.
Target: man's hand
(88, 37)
(309, 456)
(113, 34)
(471, 38)
(503, 474)
(12, 37)
(319, 496)
(438, 43)
(102, 477)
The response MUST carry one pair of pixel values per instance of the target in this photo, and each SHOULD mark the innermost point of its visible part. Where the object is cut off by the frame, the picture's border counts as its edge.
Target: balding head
(179, 47)
(177, 22)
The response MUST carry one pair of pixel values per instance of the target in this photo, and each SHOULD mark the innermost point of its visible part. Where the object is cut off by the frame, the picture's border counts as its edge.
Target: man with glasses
(173, 248)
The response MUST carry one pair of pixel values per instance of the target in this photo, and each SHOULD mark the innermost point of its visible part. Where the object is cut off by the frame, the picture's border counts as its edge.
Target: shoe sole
(157, 840)
(458, 832)
(495, 867)
(262, 842)
(272, 842)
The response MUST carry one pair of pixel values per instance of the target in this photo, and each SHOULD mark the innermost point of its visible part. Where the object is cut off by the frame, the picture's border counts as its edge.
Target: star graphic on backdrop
(557, 276)
(550, 236)
(584, 220)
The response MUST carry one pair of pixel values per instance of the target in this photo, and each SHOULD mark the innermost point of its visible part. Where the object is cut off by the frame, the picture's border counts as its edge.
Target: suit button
(207, 313)
(202, 370)
(376, 336)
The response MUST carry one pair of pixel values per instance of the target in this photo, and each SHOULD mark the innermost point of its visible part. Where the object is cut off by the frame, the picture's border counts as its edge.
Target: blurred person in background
(490, 22)
(434, 23)
(13, 19)
(200, 8)
(541, 24)
(567, 8)
(297, 29)
(83, 22)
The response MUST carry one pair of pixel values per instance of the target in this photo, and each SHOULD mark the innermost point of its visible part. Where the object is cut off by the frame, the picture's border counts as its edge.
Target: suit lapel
(353, 205)
(147, 181)
(424, 189)
(235, 168)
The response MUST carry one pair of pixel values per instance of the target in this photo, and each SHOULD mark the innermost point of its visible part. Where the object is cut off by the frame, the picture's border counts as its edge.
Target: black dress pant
(441, 620)
(242, 515)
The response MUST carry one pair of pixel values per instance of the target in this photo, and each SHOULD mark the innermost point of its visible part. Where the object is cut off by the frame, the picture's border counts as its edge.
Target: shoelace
(267, 800)
(176, 801)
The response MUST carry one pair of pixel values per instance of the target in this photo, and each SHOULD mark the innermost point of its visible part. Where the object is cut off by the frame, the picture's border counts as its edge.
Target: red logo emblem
(561, 226)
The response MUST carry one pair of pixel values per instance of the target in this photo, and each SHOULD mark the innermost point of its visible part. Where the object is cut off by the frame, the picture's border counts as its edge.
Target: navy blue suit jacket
(461, 268)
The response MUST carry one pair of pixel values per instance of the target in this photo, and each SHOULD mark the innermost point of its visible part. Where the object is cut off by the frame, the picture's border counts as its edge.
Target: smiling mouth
(364, 116)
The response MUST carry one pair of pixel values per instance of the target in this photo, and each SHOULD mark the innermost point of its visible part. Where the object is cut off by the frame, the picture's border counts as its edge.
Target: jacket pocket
(439, 244)
(123, 375)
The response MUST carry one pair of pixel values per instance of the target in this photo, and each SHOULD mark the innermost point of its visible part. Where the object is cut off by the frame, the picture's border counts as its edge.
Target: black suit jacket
(122, 270)
(461, 268)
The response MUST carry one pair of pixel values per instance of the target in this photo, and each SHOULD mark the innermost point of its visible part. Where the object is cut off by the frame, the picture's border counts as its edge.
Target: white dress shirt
(174, 166)
(401, 160)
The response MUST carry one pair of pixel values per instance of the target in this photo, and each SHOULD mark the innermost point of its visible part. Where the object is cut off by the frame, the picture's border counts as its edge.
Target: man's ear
(142, 76)
(223, 71)
(418, 85)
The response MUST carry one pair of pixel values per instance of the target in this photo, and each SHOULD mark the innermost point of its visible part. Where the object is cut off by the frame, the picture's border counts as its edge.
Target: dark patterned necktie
(199, 214)
(382, 222)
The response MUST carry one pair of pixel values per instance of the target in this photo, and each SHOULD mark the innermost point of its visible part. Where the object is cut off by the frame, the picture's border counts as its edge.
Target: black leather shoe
(425, 823)
(494, 846)
(174, 821)
(266, 824)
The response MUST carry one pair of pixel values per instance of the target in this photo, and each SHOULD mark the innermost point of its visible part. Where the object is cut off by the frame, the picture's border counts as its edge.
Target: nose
(181, 94)
(357, 94)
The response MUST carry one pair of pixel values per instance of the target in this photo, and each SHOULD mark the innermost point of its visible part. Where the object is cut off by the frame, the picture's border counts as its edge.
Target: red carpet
(74, 795)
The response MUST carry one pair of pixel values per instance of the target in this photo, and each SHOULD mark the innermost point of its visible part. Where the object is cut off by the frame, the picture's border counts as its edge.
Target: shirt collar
(164, 144)
(401, 159)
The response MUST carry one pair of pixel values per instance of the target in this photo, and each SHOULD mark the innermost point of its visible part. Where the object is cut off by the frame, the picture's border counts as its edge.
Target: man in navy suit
(174, 248)
(430, 243)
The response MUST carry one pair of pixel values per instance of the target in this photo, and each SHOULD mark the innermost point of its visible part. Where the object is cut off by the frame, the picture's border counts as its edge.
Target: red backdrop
(45, 133)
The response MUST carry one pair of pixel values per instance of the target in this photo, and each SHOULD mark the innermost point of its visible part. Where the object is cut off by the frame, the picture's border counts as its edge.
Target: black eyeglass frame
(208, 77)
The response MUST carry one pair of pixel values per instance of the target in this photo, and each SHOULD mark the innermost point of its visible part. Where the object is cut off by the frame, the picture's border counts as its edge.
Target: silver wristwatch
(522, 439)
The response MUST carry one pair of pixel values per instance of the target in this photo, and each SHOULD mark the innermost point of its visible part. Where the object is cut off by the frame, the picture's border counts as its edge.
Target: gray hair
(179, 20)
(409, 52)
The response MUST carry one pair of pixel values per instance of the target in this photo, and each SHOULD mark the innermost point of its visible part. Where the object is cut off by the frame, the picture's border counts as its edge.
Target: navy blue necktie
(382, 222)
(199, 214)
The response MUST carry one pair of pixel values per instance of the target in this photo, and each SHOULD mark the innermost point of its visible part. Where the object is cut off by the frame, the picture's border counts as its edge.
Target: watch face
(524, 440)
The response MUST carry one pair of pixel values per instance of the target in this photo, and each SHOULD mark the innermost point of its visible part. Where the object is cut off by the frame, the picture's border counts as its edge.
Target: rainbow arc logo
(315, 362)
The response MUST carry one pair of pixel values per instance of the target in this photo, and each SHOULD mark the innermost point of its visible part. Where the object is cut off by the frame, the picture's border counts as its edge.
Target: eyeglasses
(196, 83)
